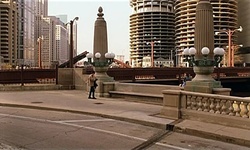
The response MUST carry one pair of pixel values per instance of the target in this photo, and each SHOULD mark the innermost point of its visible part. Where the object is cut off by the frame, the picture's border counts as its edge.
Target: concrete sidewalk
(146, 114)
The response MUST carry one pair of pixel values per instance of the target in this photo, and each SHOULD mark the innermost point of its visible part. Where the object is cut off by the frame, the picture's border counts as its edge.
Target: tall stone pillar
(101, 46)
(100, 36)
(204, 28)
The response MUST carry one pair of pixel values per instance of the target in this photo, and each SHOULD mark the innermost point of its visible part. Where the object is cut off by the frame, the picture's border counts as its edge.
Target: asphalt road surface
(23, 129)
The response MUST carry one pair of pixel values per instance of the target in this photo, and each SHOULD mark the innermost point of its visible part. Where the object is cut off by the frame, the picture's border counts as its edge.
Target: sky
(116, 14)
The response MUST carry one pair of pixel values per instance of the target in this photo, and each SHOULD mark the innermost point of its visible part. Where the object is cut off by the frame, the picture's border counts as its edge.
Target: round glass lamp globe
(217, 51)
(98, 55)
(107, 55)
(192, 51)
(186, 51)
(205, 50)
(112, 55)
(89, 55)
(222, 51)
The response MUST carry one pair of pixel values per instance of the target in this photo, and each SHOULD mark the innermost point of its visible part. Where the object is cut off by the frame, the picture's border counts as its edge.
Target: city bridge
(236, 78)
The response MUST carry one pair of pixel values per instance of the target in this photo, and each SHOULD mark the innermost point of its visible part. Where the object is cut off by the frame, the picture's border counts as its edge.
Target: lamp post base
(202, 86)
(101, 75)
(203, 81)
(203, 73)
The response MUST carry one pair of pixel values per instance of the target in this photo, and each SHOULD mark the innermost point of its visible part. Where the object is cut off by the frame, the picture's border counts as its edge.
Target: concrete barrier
(147, 93)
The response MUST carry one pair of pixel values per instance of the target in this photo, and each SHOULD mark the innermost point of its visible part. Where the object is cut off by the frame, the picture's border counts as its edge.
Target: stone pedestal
(202, 86)
(101, 75)
(222, 91)
(66, 78)
(171, 104)
(203, 73)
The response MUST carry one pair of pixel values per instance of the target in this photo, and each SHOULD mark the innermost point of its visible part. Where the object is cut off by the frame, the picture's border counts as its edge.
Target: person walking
(92, 84)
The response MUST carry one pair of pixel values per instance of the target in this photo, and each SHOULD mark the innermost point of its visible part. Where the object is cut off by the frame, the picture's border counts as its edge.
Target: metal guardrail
(48, 75)
(172, 73)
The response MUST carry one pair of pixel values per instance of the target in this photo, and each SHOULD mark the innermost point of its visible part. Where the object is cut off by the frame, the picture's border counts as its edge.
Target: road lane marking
(23, 117)
(89, 128)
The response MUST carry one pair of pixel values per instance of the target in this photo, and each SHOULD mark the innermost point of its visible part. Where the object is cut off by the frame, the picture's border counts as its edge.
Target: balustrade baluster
(248, 108)
(200, 106)
(237, 109)
(218, 106)
(231, 108)
(189, 97)
(193, 103)
(245, 110)
(206, 104)
(212, 106)
(224, 107)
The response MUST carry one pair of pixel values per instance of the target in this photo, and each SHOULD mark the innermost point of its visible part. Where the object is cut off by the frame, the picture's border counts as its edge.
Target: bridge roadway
(75, 101)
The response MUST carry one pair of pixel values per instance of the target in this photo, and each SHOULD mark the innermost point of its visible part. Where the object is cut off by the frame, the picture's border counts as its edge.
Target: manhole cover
(36, 102)
(98, 103)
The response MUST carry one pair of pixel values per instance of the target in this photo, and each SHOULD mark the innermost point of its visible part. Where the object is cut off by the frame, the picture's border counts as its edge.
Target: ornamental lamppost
(230, 32)
(97, 63)
(152, 43)
(190, 53)
(233, 49)
(102, 58)
(71, 42)
(203, 56)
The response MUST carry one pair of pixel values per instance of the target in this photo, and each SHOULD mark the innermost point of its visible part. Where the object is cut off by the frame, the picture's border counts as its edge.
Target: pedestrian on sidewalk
(92, 84)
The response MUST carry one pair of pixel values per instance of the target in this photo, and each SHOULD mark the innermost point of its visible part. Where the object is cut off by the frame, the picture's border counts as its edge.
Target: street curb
(213, 136)
(141, 122)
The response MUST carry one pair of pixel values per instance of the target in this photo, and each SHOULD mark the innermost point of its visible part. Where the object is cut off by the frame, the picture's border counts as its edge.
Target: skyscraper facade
(62, 45)
(26, 41)
(54, 43)
(9, 32)
(63, 18)
(225, 18)
(244, 37)
(41, 10)
(41, 7)
(152, 30)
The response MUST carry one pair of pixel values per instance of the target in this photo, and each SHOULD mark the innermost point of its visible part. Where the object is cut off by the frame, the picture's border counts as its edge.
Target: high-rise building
(54, 43)
(41, 10)
(63, 18)
(225, 18)
(244, 37)
(41, 7)
(9, 31)
(62, 54)
(26, 41)
(75, 39)
(152, 31)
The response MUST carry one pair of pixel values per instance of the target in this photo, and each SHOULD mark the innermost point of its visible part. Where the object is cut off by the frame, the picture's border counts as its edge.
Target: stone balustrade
(219, 104)
(213, 108)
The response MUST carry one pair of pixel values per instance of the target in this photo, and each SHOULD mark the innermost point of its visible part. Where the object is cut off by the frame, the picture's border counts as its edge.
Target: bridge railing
(29, 75)
(213, 108)
(172, 73)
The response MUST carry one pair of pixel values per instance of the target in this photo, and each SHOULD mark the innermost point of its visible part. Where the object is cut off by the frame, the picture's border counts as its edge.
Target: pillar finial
(100, 14)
